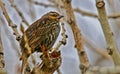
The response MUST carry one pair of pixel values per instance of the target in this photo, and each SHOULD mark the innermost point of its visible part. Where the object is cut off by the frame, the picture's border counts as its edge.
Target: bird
(42, 33)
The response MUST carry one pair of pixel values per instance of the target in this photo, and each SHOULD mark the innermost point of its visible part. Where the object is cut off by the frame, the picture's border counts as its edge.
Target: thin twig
(11, 38)
(96, 49)
(82, 12)
(19, 12)
(78, 10)
(43, 4)
(31, 9)
(109, 36)
(13, 26)
(85, 13)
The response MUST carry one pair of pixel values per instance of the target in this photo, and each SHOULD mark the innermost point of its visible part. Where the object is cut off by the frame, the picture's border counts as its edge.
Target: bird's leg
(45, 51)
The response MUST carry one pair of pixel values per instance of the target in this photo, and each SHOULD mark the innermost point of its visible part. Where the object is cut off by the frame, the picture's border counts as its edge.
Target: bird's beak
(60, 16)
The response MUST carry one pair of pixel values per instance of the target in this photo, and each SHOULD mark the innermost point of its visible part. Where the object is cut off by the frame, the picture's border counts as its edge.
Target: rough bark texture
(109, 36)
(84, 64)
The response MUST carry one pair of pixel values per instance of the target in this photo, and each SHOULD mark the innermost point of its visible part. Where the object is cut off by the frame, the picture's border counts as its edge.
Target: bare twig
(114, 15)
(104, 70)
(43, 4)
(31, 9)
(96, 49)
(19, 12)
(78, 10)
(11, 38)
(112, 47)
(13, 26)
(82, 12)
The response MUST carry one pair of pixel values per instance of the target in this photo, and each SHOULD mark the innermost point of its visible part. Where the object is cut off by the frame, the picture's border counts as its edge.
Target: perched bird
(42, 32)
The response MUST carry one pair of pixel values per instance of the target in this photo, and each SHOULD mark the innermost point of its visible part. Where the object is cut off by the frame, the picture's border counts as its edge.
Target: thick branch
(77, 35)
(112, 47)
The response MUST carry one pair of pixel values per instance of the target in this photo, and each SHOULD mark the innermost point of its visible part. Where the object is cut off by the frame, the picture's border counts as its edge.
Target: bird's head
(54, 15)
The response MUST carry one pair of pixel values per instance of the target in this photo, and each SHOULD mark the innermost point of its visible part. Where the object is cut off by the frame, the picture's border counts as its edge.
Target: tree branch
(84, 64)
(13, 26)
(49, 64)
(19, 12)
(78, 10)
(96, 49)
(85, 13)
(31, 9)
(111, 44)
(42, 4)
(2, 62)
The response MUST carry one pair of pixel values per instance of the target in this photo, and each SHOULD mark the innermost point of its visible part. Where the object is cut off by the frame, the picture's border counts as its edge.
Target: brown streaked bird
(43, 32)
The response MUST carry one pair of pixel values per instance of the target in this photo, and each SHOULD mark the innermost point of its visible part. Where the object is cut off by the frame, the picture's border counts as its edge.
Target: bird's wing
(42, 33)
(30, 33)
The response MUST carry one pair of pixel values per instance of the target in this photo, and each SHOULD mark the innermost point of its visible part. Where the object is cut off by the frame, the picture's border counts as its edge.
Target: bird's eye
(54, 15)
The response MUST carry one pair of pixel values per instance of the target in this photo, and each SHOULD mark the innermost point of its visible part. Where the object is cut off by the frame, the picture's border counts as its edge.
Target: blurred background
(89, 26)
